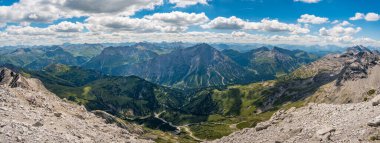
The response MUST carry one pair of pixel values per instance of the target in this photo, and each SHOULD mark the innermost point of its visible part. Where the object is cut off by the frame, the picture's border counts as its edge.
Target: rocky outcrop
(376, 100)
(30, 113)
(357, 122)
(360, 61)
(110, 119)
(374, 122)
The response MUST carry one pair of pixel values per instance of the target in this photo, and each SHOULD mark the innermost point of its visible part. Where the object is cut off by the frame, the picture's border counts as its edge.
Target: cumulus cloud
(276, 26)
(225, 23)
(123, 7)
(239, 34)
(357, 16)
(372, 16)
(185, 3)
(67, 27)
(2, 25)
(368, 17)
(112, 24)
(210, 37)
(30, 31)
(50, 10)
(312, 19)
(63, 27)
(179, 18)
(335, 22)
(234, 23)
(308, 1)
(111, 21)
(159, 22)
(338, 30)
(345, 23)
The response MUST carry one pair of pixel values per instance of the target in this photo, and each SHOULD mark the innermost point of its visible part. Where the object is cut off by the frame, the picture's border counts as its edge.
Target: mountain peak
(202, 49)
(280, 49)
(358, 48)
(145, 46)
(263, 48)
(12, 79)
(203, 45)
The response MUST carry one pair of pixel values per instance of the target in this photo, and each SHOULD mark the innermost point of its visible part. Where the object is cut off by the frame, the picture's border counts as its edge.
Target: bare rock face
(374, 122)
(356, 122)
(324, 133)
(30, 113)
(376, 100)
(12, 79)
(357, 68)
(110, 119)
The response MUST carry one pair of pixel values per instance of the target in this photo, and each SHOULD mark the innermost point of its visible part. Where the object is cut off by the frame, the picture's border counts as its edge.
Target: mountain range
(271, 62)
(140, 93)
(197, 66)
(168, 64)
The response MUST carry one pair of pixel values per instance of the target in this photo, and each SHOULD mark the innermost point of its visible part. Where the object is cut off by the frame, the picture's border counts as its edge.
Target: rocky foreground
(357, 122)
(30, 113)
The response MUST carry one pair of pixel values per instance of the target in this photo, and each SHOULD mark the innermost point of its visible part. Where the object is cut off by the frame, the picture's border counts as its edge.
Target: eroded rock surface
(357, 122)
(30, 113)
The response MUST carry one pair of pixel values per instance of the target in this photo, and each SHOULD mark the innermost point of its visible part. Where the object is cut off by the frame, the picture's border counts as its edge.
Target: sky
(297, 22)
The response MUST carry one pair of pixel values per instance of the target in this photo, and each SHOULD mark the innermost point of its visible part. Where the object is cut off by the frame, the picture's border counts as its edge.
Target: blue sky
(239, 21)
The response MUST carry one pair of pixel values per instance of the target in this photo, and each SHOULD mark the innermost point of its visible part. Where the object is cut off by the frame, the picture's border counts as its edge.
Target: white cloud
(185, 3)
(63, 27)
(368, 17)
(179, 18)
(113, 24)
(308, 1)
(372, 16)
(122, 7)
(209, 37)
(2, 25)
(30, 31)
(239, 34)
(68, 27)
(50, 10)
(225, 23)
(276, 26)
(111, 21)
(357, 16)
(345, 23)
(234, 23)
(312, 19)
(338, 31)
(335, 22)
(159, 22)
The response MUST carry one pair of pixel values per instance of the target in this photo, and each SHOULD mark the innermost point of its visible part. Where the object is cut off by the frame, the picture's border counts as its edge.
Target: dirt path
(187, 129)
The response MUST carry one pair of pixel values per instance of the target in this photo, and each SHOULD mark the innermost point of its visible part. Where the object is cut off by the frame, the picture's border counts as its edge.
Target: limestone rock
(30, 113)
(376, 100)
(314, 123)
(374, 122)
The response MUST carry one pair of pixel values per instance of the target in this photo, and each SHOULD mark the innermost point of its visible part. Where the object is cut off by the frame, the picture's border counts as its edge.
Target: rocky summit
(30, 113)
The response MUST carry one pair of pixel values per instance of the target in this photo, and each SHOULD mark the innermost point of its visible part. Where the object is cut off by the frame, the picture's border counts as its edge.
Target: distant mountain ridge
(169, 64)
(197, 66)
(270, 62)
(37, 58)
(115, 57)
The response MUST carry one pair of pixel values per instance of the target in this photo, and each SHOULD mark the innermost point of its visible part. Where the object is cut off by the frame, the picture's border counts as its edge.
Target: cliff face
(30, 113)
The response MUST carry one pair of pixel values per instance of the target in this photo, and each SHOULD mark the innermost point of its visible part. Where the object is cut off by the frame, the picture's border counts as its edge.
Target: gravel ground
(357, 122)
